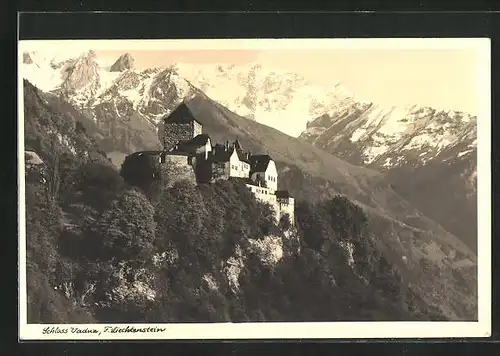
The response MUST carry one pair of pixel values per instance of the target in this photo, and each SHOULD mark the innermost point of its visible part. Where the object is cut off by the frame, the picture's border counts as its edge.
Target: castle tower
(180, 125)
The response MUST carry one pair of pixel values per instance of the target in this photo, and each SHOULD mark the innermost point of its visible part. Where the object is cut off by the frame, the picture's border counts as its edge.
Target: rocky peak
(27, 58)
(80, 77)
(124, 62)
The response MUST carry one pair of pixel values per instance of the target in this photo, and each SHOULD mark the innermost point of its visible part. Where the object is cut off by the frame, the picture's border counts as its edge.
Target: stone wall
(204, 171)
(174, 132)
(280, 206)
(197, 129)
(262, 194)
(177, 168)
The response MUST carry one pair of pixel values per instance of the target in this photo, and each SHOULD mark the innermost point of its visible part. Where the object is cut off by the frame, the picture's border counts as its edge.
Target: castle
(191, 154)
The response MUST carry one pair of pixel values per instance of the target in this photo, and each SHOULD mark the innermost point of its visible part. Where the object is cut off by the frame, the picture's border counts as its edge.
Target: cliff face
(124, 62)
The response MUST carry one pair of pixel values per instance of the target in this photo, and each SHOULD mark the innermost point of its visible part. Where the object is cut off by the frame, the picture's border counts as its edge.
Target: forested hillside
(206, 253)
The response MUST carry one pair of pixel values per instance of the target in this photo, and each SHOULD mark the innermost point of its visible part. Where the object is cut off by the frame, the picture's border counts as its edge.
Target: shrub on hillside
(126, 230)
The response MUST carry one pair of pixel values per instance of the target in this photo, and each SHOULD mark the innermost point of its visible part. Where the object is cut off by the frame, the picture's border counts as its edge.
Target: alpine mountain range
(411, 169)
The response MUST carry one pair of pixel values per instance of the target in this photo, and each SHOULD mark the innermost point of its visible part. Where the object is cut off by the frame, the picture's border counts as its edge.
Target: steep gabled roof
(190, 146)
(259, 163)
(197, 141)
(181, 115)
(221, 153)
(242, 156)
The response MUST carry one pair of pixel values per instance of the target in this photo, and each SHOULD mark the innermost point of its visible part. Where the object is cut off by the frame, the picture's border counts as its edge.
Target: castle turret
(180, 125)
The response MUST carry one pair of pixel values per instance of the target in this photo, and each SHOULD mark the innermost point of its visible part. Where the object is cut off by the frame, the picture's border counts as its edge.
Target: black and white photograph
(212, 189)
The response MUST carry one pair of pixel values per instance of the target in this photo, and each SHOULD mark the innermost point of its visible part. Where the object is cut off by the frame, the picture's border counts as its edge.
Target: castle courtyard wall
(178, 168)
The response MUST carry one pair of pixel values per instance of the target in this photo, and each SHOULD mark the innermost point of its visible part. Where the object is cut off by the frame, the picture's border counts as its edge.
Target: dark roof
(259, 163)
(197, 141)
(220, 153)
(147, 153)
(283, 194)
(181, 115)
(189, 146)
(242, 156)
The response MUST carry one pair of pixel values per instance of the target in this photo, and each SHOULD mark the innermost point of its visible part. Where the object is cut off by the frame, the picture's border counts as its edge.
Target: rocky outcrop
(81, 78)
(27, 58)
(124, 62)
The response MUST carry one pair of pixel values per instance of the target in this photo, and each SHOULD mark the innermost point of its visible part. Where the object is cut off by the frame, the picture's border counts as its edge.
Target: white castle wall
(197, 129)
(280, 208)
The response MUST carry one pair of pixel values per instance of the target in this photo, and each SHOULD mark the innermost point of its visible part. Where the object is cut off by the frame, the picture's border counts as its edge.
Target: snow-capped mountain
(89, 83)
(429, 156)
(282, 100)
(331, 118)
(388, 137)
(77, 77)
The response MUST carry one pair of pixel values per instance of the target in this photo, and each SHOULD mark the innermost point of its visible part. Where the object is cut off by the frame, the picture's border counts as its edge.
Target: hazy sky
(441, 78)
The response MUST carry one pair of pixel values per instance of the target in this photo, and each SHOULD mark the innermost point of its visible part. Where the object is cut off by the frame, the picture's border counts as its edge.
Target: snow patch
(387, 162)
(357, 134)
(132, 95)
(373, 152)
